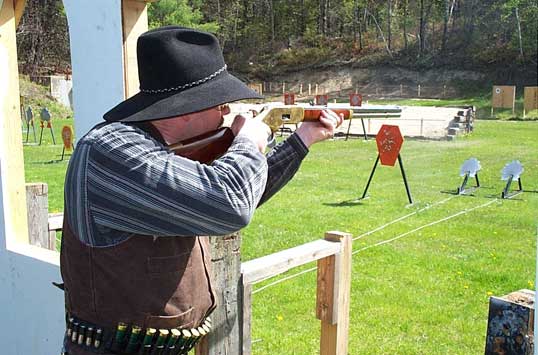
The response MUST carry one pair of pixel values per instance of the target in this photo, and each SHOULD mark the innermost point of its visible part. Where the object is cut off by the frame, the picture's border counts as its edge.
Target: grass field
(427, 292)
(424, 292)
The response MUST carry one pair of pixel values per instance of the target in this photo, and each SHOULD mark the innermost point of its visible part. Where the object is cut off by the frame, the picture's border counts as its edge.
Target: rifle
(209, 146)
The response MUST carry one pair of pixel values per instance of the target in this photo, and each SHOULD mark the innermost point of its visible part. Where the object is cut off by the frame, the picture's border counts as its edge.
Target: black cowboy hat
(181, 71)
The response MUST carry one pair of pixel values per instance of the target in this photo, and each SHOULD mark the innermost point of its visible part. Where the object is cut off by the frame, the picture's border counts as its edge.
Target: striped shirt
(121, 181)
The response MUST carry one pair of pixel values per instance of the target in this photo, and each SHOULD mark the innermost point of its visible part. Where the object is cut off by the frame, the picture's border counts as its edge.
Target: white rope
(425, 226)
(402, 218)
(282, 280)
(276, 282)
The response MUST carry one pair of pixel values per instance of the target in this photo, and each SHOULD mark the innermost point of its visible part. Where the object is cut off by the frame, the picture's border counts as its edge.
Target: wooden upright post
(11, 157)
(333, 296)
(225, 337)
(37, 198)
(135, 22)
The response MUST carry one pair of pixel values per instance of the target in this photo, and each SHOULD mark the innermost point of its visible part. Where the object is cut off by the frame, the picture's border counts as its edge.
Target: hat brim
(145, 107)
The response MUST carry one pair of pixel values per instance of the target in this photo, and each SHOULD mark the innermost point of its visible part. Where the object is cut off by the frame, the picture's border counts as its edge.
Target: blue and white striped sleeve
(135, 185)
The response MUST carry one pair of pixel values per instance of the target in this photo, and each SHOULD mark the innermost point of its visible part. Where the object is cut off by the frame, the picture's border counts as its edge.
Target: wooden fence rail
(333, 255)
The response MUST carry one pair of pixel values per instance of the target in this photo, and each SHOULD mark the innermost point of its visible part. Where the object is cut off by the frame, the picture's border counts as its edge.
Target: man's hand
(253, 129)
(313, 132)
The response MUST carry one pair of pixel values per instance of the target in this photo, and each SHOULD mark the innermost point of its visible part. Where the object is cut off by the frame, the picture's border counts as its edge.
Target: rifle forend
(276, 116)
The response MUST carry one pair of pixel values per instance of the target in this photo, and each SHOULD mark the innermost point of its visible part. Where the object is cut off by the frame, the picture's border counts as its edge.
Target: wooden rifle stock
(205, 148)
(212, 145)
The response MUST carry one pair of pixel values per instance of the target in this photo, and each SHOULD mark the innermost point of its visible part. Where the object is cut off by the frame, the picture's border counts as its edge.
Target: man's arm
(283, 161)
(132, 184)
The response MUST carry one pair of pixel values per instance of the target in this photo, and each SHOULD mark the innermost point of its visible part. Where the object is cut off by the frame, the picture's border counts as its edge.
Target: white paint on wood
(10, 128)
(32, 320)
(277, 263)
(95, 32)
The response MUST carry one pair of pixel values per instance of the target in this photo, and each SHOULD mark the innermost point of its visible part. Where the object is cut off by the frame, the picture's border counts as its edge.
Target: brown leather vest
(153, 282)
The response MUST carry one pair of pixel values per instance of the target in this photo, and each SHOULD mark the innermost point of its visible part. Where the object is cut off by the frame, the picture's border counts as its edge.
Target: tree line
(261, 35)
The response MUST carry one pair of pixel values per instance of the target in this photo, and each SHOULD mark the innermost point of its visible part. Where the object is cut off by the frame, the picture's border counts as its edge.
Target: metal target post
(389, 142)
(405, 180)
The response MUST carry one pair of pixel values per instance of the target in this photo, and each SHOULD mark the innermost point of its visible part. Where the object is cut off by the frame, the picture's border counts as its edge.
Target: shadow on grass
(46, 162)
(347, 203)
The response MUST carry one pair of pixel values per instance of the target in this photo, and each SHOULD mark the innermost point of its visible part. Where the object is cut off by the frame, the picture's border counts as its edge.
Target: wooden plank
(246, 318)
(20, 5)
(12, 174)
(325, 290)
(135, 22)
(333, 296)
(225, 338)
(503, 96)
(277, 263)
(530, 98)
(37, 199)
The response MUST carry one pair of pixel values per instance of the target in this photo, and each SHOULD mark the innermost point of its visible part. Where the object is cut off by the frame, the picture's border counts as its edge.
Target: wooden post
(418, 90)
(333, 296)
(12, 160)
(135, 22)
(316, 89)
(444, 90)
(225, 338)
(309, 89)
(37, 199)
(246, 318)
(300, 89)
(401, 90)
(283, 87)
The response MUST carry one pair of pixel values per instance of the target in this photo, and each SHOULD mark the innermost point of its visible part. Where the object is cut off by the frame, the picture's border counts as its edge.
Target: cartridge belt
(132, 339)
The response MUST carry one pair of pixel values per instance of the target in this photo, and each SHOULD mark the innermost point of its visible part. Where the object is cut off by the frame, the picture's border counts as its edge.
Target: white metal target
(45, 115)
(471, 166)
(512, 170)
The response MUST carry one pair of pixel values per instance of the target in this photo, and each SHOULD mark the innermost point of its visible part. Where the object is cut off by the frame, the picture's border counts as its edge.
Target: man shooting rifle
(135, 256)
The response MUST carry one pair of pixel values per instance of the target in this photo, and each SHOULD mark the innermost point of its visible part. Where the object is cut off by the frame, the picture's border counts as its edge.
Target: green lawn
(42, 163)
(426, 292)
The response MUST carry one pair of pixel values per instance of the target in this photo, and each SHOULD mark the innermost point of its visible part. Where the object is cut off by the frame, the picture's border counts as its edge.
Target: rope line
(276, 282)
(425, 226)
(358, 237)
(402, 218)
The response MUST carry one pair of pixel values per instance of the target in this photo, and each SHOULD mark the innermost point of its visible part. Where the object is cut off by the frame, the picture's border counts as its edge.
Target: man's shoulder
(113, 131)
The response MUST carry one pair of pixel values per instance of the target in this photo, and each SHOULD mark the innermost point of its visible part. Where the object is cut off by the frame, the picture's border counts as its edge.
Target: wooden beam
(333, 296)
(135, 22)
(19, 5)
(225, 268)
(37, 199)
(246, 318)
(277, 263)
(12, 169)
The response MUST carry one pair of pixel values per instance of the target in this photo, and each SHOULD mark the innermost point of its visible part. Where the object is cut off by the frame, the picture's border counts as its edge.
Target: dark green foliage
(265, 37)
(43, 39)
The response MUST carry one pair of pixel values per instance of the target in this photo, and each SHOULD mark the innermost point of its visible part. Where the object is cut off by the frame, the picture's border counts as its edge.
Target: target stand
(512, 172)
(29, 118)
(389, 142)
(45, 117)
(67, 137)
(469, 169)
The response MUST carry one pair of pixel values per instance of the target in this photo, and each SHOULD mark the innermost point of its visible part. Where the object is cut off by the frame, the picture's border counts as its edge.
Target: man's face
(180, 128)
